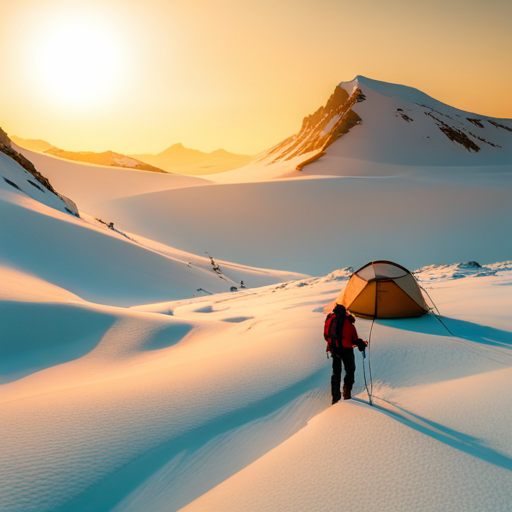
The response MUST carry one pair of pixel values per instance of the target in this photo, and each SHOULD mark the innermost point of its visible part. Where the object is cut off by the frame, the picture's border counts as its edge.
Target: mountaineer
(341, 336)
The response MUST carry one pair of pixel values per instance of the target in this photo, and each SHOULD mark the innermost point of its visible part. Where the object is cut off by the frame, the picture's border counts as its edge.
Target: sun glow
(78, 64)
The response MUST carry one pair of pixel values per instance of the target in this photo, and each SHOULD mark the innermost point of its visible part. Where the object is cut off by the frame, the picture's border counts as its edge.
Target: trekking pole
(370, 356)
(363, 353)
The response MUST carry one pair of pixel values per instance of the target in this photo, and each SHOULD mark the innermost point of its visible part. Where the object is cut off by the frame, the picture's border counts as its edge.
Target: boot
(347, 392)
(335, 390)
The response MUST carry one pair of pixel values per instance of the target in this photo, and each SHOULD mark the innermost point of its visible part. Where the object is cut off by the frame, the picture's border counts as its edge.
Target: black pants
(347, 359)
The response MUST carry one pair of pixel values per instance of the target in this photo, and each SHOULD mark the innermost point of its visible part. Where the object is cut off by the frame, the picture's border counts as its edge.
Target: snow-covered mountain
(396, 124)
(368, 128)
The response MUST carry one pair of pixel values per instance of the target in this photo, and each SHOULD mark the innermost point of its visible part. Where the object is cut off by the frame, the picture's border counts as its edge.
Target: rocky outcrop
(454, 134)
(6, 148)
(499, 125)
(4, 139)
(320, 129)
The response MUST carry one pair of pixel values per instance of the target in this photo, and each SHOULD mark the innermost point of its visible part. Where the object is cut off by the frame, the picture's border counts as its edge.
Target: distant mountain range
(176, 159)
(109, 158)
(33, 144)
(181, 160)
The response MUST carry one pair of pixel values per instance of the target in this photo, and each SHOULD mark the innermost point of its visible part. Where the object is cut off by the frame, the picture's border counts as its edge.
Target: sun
(78, 64)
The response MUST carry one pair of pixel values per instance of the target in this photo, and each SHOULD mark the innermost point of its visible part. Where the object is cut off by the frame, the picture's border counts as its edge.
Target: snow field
(215, 392)
(351, 457)
(409, 219)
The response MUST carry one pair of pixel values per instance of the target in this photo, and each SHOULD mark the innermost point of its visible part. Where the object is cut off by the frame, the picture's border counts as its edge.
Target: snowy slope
(222, 403)
(82, 255)
(432, 215)
(90, 183)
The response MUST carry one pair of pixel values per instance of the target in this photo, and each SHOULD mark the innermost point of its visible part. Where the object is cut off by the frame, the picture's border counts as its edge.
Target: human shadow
(458, 440)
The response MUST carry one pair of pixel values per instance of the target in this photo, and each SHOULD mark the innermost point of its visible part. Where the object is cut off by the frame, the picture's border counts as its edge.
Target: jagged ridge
(320, 129)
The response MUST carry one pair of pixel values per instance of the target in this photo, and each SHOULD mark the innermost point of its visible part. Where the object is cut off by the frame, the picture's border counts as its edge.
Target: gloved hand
(361, 344)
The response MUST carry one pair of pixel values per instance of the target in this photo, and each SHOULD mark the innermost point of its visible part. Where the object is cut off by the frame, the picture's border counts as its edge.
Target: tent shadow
(465, 443)
(429, 324)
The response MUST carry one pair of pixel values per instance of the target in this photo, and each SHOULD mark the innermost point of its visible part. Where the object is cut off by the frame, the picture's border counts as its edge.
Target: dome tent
(383, 289)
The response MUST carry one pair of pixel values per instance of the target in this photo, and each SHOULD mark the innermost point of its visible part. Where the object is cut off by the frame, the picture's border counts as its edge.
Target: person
(347, 339)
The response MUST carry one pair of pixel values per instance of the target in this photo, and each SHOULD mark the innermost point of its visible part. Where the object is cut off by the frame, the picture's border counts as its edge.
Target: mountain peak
(392, 90)
(393, 124)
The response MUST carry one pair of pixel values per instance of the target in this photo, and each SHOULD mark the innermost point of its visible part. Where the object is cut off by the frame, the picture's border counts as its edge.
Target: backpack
(330, 328)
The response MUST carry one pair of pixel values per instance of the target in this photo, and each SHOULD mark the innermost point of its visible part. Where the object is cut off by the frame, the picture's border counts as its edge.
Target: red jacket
(349, 335)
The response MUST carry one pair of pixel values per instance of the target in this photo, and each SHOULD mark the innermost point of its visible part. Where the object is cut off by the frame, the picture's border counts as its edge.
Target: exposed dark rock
(11, 183)
(498, 125)
(301, 166)
(344, 125)
(405, 117)
(455, 135)
(37, 186)
(110, 225)
(26, 164)
(321, 117)
(320, 129)
(4, 139)
(484, 140)
(476, 122)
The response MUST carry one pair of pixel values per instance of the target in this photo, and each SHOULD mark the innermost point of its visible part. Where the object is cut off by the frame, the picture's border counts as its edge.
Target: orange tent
(383, 289)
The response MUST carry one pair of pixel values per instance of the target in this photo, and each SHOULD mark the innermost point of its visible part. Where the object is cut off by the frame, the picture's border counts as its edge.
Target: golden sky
(136, 76)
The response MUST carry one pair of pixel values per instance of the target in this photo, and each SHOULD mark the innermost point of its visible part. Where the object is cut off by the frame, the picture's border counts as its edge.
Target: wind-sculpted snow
(217, 395)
